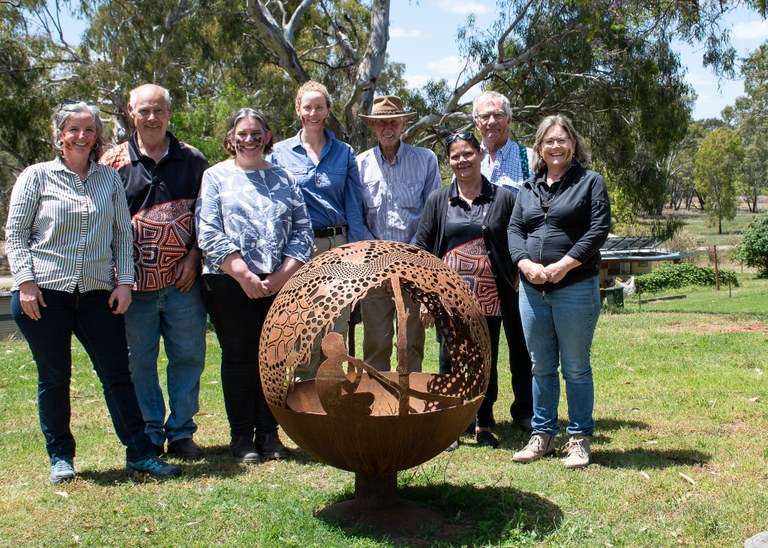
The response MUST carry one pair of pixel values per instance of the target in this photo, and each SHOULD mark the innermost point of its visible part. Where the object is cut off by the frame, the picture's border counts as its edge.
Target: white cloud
(751, 30)
(451, 66)
(400, 32)
(464, 7)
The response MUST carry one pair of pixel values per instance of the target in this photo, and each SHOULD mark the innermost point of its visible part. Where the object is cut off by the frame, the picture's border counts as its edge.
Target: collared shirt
(64, 233)
(259, 213)
(331, 188)
(394, 193)
(511, 168)
(466, 252)
(161, 198)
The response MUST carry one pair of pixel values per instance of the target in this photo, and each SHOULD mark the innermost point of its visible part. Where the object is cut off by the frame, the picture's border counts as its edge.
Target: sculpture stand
(377, 508)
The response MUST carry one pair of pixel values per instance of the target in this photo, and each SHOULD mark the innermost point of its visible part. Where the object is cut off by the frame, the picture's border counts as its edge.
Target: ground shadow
(643, 459)
(216, 463)
(474, 516)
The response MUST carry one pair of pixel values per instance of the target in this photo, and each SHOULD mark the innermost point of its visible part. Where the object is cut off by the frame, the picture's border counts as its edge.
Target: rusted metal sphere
(350, 415)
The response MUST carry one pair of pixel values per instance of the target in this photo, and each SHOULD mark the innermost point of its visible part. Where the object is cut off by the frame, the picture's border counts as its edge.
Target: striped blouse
(64, 233)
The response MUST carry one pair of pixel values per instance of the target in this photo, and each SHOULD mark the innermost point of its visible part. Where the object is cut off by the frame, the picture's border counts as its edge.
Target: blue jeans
(558, 327)
(180, 318)
(102, 334)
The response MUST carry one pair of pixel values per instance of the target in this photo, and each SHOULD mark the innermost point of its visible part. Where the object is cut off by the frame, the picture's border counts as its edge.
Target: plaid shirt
(511, 167)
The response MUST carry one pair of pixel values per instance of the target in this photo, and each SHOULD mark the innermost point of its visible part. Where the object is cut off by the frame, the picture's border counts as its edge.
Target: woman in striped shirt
(69, 244)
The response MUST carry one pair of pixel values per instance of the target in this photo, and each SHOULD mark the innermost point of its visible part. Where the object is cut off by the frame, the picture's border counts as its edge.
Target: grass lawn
(680, 456)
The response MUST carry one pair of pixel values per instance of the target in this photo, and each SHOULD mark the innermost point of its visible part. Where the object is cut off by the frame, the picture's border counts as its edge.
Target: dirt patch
(719, 327)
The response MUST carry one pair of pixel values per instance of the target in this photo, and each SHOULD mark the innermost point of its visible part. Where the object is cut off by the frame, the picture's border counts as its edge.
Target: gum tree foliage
(716, 173)
(605, 63)
(681, 161)
(753, 247)
(750, 115)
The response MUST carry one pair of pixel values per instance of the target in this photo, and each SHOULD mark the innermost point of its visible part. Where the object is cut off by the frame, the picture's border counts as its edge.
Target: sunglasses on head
(460, 136)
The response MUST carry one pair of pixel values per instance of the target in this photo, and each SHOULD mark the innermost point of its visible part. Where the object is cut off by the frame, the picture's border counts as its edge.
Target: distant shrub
(674, 276)
(753, 248)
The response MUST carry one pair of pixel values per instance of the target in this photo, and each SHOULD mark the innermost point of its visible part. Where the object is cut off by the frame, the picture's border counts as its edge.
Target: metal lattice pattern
(309, 304)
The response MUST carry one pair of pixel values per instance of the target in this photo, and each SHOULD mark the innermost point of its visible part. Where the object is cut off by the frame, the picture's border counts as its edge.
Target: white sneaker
(540, 445)
(578, 452)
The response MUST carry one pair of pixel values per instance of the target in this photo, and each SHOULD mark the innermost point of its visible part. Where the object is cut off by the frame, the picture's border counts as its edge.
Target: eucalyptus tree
(750, 115)
(716, 173)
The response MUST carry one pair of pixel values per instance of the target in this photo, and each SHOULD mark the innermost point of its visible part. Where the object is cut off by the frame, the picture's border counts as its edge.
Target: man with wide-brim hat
(396, 178)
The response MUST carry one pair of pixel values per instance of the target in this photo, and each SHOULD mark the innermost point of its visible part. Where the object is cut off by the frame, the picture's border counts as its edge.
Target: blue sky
(423, 36)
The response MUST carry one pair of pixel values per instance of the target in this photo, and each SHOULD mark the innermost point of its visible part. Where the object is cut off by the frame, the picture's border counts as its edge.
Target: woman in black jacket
(465, 224)
(560, 221)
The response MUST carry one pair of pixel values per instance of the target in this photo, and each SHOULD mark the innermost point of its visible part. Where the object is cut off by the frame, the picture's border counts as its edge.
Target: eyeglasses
(461, 136)
(498, 115)
(549, 143)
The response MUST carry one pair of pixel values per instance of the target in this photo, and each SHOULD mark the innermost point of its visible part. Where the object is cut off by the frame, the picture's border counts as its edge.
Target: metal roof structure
(619, 248)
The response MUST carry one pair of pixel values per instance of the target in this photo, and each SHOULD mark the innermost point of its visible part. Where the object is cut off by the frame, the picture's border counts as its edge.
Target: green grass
(680, 456)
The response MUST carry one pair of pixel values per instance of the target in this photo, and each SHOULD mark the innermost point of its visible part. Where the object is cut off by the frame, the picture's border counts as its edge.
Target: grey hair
(133, 96)
(580, 152)
(491, 96)
(238, 117)
(63, 112)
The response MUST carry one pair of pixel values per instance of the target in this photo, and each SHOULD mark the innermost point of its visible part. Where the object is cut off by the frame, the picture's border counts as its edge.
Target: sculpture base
(377, 508)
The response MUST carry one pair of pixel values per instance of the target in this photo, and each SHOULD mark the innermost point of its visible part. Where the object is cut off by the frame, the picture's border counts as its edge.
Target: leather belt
(329, 232)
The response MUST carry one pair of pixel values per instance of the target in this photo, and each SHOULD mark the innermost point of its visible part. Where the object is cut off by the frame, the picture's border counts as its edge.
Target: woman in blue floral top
(254, 232)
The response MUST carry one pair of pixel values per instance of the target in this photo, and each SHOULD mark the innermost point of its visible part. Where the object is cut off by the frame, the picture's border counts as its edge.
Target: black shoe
(486, 439)
(242, 449)
(270, 447)
(524, 425)
(185, 448)
(452, 447)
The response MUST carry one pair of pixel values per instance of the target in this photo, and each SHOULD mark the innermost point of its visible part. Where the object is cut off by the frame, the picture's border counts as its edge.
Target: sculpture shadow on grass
(474, 516)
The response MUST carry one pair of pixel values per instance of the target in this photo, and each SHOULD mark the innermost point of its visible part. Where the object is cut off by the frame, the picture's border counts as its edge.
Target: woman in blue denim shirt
(326, 171)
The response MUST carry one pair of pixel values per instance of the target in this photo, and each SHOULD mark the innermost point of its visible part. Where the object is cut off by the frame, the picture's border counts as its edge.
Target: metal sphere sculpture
(350, 415)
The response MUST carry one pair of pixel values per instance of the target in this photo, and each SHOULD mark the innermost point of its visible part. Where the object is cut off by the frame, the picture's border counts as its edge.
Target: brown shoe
(578, 451)
(540, 445)
(185, 448)
(242, 449)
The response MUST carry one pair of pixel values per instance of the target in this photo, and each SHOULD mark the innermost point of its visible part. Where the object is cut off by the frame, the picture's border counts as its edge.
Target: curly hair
(63, 112)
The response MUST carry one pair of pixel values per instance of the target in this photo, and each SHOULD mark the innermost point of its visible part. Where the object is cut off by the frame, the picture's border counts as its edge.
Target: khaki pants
(379, 335)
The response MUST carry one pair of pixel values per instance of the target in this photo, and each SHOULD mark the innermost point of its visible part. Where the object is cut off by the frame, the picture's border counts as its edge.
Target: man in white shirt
(396, 179)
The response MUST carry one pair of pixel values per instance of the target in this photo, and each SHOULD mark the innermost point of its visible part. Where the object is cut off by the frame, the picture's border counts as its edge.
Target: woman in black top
(560, 221)
(465, 224)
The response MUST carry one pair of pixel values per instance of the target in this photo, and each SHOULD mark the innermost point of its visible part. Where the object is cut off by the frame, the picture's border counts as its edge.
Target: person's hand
(120, 299)
(253, 286)
(427, 320)
(31, 299)
(533, 272)
(187, 269)
(557, 271)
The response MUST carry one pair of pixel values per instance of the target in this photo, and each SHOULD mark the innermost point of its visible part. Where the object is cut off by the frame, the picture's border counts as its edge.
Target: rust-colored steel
(350, 415)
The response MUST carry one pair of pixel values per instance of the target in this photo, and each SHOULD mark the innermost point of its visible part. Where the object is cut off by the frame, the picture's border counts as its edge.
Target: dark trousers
(485, 413)
(102, 334)
(519, 359)
(238, 321)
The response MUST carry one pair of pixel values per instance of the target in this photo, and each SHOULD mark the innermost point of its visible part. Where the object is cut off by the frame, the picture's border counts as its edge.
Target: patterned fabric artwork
(161, 231)
(470, 261)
